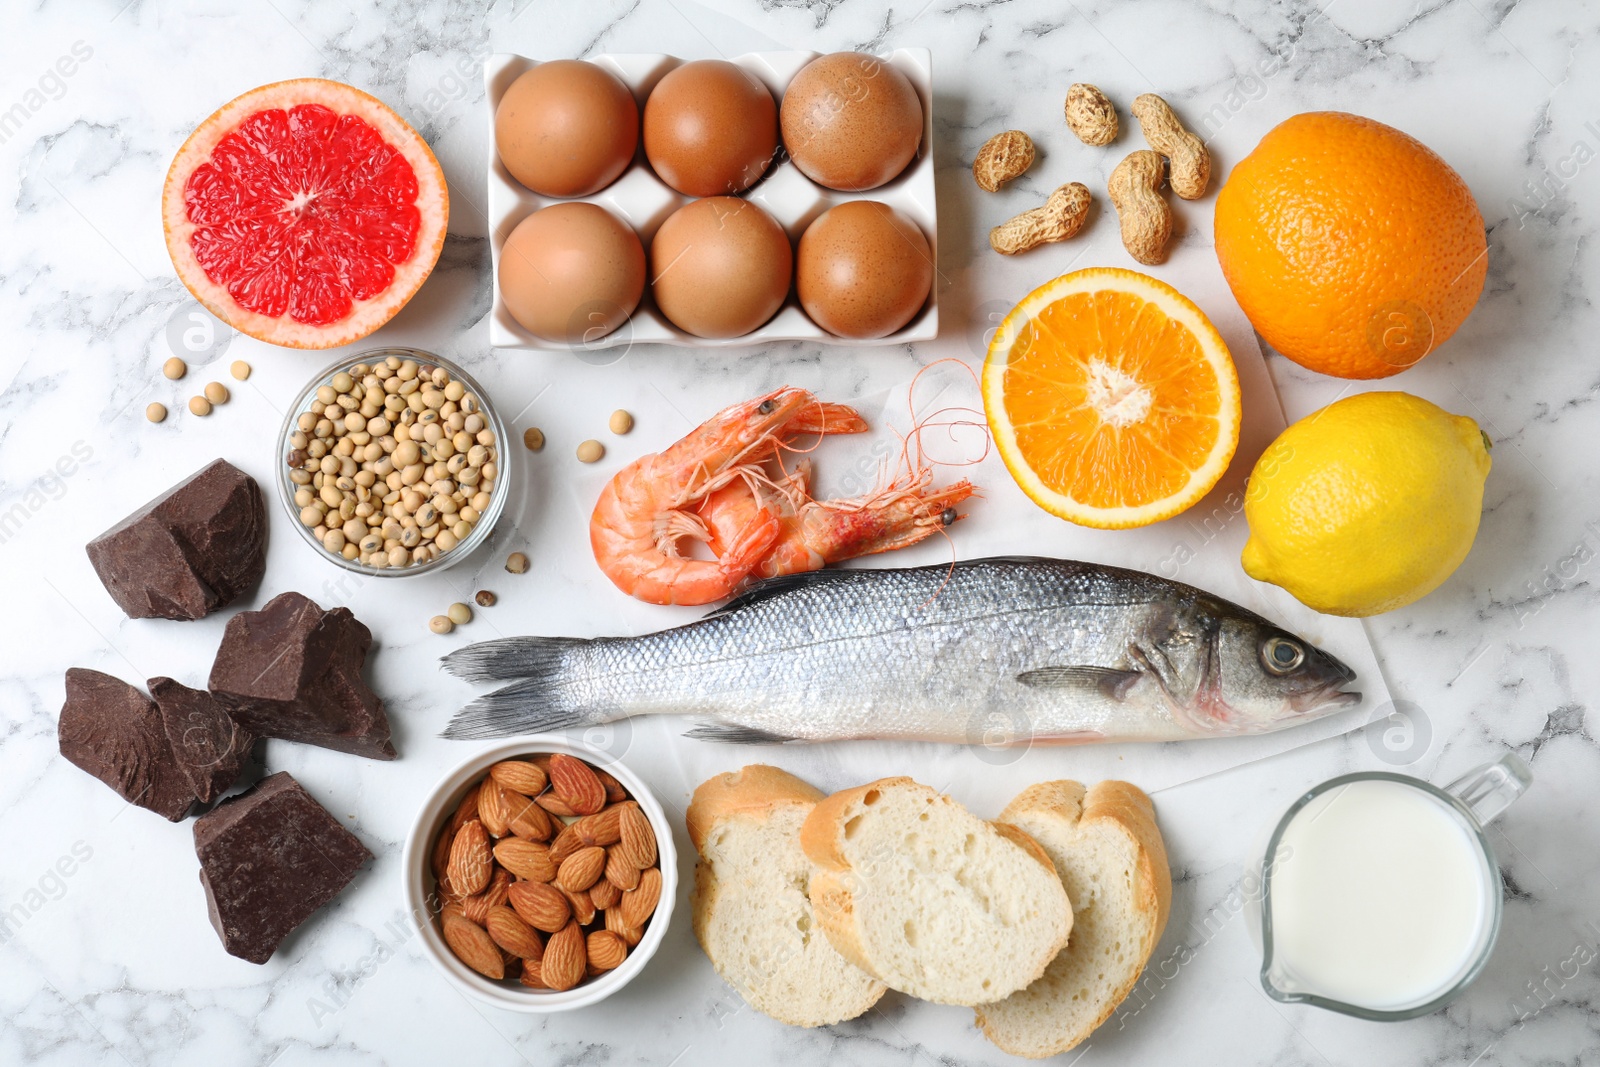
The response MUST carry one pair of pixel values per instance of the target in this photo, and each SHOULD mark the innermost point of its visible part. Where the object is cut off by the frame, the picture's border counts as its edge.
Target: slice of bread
(752, 908)
(1109, 854)
(938, 903)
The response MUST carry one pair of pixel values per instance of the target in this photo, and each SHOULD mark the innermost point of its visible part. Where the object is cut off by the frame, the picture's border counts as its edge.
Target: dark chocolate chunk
(269, 857)
(114, 732)
(192, 550)
(293, 671)
(210, 747)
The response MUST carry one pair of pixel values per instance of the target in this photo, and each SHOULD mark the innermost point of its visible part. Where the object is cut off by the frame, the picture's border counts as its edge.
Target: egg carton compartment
(644, 201)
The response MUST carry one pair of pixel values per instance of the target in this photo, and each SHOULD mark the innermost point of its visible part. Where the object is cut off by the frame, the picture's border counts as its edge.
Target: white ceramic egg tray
(644, 202)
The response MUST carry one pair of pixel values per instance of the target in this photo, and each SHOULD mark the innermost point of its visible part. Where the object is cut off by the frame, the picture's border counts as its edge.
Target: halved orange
(1112, 398)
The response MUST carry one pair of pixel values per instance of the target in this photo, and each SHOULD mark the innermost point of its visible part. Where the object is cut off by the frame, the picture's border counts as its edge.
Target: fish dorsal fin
(732, 734)
(773, 587)
(1108, 680)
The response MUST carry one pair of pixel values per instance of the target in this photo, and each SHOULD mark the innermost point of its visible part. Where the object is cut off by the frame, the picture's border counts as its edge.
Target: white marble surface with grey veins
(105, 952)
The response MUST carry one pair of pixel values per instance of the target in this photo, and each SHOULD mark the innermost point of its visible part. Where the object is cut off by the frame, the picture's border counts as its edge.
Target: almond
(615, 794)
(525, 859)
(494, 809)
(440, 860)
(467, 809)
(528, 819)
(542, 906)
(575, 782)
(541, 760)
(564, 958)
(582, 869)
(554, 805)
(605, 894)
(583, 909)
(614, 923)
(510, 932)
(619, 871)
(471, 862)
(606, 949)
(639, 904)
(531, 976)
(519, 776)
(474, 907)
(638, 841)
(602, 828)
(473, 947)
(568, 841)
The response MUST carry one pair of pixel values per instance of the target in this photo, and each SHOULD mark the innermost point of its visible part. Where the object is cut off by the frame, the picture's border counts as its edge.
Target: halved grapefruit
(1112, 399)
(304, 213)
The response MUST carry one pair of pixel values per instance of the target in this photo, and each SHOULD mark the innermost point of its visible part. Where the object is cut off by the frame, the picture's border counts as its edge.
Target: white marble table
(107, 956)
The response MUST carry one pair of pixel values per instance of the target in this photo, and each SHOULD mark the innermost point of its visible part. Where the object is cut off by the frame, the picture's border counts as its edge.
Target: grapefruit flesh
(305, 213)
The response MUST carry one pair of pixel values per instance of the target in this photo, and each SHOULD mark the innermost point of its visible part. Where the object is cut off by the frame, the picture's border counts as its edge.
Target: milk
(1380, 896)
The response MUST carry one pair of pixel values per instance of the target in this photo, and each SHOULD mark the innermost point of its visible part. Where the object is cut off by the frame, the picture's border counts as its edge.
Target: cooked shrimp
(815, 533)
(642, 516)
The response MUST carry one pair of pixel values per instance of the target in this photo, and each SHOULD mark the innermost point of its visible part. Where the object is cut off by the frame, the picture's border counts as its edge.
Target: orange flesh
(1113, 403)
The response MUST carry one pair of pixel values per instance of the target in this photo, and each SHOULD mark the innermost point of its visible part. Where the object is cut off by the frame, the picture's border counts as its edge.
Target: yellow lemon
(1367, 505)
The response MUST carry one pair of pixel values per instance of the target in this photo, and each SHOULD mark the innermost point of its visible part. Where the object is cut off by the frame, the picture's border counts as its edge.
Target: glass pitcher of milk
(1380, 894)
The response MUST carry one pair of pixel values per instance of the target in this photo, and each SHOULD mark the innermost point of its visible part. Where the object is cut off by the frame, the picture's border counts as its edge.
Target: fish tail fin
(531, 706)
(511, 657)
(540, 698)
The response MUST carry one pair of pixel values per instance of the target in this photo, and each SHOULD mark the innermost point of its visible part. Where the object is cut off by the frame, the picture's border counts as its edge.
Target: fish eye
(1282, 655)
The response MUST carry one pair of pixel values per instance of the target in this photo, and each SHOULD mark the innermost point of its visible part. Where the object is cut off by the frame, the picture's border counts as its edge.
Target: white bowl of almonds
(391, 463)
(542, 874)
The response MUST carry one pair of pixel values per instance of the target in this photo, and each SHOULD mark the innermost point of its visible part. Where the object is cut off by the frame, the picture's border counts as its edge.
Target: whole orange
(1353, 249)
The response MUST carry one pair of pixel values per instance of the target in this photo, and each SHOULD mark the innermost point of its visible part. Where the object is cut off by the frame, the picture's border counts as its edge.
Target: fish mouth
(1325, 698)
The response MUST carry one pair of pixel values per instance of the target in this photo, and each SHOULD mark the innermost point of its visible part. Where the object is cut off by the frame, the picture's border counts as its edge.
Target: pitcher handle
(1491, 789)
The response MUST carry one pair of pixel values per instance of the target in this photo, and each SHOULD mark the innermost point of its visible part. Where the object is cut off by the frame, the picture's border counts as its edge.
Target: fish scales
(1034, 649)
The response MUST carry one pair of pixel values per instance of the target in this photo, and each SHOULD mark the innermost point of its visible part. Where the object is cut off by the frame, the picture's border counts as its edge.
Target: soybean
(384, 454)
(621, 422)
(156, 412)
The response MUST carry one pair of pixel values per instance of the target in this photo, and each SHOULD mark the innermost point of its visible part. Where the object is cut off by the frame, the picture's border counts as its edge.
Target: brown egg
(572, 272)
(720, 267)
(710, 128)
(864, 270)
(567, 128)
(851, 121)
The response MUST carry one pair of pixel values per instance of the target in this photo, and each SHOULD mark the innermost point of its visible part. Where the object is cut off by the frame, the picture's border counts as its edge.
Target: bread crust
(753, 790)
(1130, 809)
